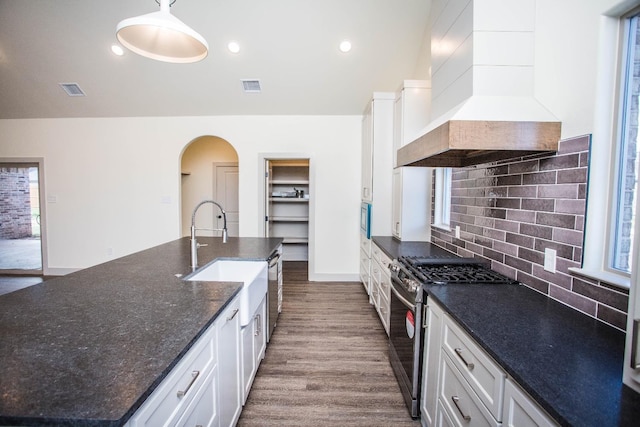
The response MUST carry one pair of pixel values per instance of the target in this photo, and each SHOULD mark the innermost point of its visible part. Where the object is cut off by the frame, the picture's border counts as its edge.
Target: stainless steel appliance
(408, 277)
(365, 219)
(273, 275)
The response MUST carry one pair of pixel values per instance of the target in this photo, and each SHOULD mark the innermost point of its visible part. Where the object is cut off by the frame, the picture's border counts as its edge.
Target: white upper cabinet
(411, 113)
(411, 186)
(377, 161)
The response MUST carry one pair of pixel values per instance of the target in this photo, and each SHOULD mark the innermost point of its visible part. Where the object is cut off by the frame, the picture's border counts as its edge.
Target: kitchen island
(87, 349)
(569, 363)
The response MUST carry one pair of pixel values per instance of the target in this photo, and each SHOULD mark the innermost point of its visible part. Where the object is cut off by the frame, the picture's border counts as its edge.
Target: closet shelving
(289, 206)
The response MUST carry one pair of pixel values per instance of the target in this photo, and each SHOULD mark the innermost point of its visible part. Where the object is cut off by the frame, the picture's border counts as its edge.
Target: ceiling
(291, 46)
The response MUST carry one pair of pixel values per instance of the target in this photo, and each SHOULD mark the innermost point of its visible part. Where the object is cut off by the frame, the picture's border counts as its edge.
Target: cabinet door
(229, 373)
(431, 361)
(520, 410)
(259, 333)
(367, 155)
(203, 410)
(248, 360)
(396, 210)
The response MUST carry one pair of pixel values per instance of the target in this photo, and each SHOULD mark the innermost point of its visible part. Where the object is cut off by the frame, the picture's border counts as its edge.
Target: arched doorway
(209, 170)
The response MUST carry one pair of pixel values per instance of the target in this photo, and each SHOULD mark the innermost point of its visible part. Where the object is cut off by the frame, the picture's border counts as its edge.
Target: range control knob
(411, 285)
(394, 268)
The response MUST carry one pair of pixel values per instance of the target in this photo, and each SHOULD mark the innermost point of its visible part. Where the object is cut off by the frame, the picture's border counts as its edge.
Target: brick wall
(509, 212)
(15, 204)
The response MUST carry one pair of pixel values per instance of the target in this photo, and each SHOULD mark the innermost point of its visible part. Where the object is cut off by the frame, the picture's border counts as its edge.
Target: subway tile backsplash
(510, 212)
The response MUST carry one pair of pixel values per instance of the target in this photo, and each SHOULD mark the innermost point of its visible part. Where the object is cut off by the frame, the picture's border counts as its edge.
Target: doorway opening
(21, 218)
(287, 205)
(209, 171)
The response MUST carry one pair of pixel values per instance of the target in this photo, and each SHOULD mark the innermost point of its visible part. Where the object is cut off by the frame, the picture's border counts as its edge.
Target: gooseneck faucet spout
(194, 242)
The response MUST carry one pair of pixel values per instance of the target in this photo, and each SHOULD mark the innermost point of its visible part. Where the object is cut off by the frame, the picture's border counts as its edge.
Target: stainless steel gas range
(408, 277)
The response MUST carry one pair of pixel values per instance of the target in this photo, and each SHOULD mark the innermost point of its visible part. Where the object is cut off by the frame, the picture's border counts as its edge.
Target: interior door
(226, 193)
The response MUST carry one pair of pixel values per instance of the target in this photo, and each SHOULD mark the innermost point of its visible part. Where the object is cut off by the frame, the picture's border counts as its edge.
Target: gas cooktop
(441, 271)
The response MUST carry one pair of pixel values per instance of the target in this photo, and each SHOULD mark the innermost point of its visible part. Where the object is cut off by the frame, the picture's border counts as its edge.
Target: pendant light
(161, 36)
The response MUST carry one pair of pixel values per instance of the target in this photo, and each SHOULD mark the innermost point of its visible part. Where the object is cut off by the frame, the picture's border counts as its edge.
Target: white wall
(113, 184)
(566, 57)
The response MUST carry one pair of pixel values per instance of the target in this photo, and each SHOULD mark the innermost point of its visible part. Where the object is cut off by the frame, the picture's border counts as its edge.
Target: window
(442, 208)
(625, 180)
(614, 169)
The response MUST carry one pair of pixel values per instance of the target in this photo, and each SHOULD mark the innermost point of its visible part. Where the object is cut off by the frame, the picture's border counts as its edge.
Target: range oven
(409, 275)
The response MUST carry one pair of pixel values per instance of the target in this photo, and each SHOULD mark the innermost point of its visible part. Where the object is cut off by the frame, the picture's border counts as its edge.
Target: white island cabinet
(204, 387)
(230, 370)
(254, 344)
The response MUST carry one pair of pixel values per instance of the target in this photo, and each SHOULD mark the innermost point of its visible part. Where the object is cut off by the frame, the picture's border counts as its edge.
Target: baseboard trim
(59, 271)
(328, 277)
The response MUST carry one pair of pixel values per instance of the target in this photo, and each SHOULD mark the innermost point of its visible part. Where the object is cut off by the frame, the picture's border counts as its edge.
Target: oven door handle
(402, 299)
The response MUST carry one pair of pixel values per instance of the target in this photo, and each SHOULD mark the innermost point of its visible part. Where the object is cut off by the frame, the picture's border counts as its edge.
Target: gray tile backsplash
(510, 212)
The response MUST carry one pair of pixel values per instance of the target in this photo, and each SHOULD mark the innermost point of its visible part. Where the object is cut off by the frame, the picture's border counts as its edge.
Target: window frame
(442, 199)
(605, 153)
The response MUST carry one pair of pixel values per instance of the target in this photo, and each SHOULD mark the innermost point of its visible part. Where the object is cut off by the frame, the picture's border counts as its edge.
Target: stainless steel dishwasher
(272, 293)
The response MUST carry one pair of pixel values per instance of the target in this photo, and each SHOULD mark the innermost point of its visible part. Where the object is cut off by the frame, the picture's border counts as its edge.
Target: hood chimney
(483, 105)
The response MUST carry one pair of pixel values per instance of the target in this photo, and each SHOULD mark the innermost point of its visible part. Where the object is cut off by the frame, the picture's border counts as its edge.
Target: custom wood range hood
(483, 105)
(460, 143)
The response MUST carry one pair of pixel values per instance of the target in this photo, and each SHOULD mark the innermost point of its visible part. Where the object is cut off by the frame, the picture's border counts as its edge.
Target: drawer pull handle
(194, 375)
(233, 314)
(459, 353)
(455, 400)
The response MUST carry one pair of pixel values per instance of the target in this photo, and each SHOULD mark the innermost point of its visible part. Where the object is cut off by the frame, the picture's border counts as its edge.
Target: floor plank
(327, 363)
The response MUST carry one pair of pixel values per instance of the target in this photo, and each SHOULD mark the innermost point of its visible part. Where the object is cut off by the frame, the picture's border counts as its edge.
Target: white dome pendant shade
(163, 37)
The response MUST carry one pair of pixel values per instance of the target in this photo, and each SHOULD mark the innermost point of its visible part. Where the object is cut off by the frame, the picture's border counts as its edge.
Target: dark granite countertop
(88, 348)
(395, 248)
(570, 363)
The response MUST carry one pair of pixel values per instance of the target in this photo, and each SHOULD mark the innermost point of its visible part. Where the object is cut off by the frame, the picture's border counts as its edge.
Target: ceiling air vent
(72, 89)
(251, 86)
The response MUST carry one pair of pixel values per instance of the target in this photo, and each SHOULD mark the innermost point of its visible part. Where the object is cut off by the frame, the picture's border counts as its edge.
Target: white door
(226, 190)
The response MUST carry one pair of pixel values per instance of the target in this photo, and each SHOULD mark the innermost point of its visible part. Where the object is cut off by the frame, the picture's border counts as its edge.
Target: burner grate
(460, 271)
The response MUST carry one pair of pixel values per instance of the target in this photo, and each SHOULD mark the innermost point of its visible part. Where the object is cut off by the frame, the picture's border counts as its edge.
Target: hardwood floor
(327, 363)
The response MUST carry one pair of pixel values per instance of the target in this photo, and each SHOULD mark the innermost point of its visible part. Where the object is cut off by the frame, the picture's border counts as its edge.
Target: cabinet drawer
(203, 410)
(365, 278)
(379, 255)
(485, 377)
(385, 285)
(176, 391)
(383, 311)
(460, 402)
(376, 271)
(365, 244)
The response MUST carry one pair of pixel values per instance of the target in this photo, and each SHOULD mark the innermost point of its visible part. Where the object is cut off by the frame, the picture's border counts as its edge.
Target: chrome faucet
(194, 243)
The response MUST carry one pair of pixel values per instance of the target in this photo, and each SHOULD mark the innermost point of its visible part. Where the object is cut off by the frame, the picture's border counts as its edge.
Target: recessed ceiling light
(233, 47)
(345, 46)
(117, 50)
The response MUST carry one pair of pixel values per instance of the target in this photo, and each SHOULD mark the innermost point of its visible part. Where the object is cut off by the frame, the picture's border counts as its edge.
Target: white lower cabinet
(196, 389)
(229, 368)
(463, 386)
(365, 263)
(381, 284)
(520, 410)
(458, 399)
(481, 372)
(442, 418)
(431, 362)
(254, 343)
(203, 410)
